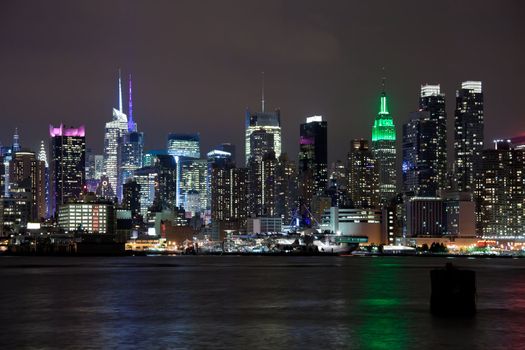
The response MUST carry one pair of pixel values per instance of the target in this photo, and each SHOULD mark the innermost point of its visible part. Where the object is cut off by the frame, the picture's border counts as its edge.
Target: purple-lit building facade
(67, 164)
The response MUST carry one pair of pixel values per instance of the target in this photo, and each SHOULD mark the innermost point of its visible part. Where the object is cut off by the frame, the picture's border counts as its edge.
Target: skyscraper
(500, 192)
(262, 122)
(363, 182)
(384, 151)
(27, 176)
(433, 101)
(67, 164)
(131, 154)
(468, 133)
(42, 156)
(114, 131)
(193, 185)
(313, 158)
(420, 173)
(184, 145)
(286, 188)
(228, 193)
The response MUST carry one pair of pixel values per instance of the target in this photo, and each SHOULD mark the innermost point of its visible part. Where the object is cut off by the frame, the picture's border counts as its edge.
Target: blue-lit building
(184, 145)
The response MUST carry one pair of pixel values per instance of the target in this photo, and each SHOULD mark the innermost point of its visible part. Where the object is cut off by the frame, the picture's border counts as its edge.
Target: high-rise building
(114, 131)
(420, 176)
(42, 156)
(131, 153)
(286, 188)
(131, 197)
(147, 179)
(500, 192)
(27, 175)
(262, 185)
(193, 185)
(468, 133)
(433, 101)
(184, 145)
(313, 158)
(228, 193)
(363, 182)
(263, 123)
(67, 165)
(384, 151)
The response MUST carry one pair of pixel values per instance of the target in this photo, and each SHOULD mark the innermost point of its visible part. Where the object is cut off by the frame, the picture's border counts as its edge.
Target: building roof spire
(383, 109)
(16, 141)
(262, 92)
(132, 126)
(119, 92)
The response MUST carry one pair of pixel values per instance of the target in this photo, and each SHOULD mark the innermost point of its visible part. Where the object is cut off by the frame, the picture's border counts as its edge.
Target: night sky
(197, 64)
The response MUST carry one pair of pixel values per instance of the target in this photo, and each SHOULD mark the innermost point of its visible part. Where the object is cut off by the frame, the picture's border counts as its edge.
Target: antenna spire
(262, 92)
(383, 81)
(131, 123)
(119, 92)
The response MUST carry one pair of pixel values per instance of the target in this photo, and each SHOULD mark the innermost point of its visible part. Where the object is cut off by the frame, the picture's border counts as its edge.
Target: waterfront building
(87, 215)
(313, 158)
(425, 216)
(468, 134)
(15, 213)
(384, 151)
(460, 213)
(28, 175)
(363, 182)
(264, 224)
(500, 192)
(355, 222)
(67, 164)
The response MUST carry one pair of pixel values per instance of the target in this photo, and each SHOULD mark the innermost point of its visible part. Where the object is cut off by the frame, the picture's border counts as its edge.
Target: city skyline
(339, 83)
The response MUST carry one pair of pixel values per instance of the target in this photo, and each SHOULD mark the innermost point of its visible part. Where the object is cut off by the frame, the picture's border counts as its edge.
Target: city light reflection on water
(251, 302)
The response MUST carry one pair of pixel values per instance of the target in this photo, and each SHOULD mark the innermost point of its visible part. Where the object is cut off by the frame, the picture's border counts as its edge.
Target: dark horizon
(197, 70)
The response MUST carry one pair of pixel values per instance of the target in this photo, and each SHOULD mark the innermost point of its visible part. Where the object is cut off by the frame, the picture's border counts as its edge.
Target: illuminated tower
(131, 148)
(132, 126)
(269, 122)
(384, 151)
(468, 133)
(114, 131)
(433, 101)
(313, 158)
(16, 141)
(363, 185)
(67, 165)
(42, 156)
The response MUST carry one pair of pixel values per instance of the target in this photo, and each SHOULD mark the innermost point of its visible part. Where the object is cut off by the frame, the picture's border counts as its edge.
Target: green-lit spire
(384, 108)
(383, 128)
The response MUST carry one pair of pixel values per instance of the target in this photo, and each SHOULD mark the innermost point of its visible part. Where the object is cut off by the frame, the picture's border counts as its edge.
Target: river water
(202, 302)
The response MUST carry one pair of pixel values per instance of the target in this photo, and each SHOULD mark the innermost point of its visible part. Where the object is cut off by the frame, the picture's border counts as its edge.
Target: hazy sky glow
(197, 64)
